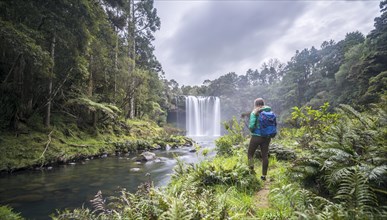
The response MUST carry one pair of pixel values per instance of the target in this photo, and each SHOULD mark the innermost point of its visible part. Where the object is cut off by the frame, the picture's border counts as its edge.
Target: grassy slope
(64, 141)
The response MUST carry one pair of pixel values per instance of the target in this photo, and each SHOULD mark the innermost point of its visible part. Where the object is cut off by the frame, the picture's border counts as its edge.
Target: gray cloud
(202, 40)
(224, 33)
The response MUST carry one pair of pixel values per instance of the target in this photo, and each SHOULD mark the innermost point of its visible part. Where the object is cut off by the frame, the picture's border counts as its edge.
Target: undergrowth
(36, 146)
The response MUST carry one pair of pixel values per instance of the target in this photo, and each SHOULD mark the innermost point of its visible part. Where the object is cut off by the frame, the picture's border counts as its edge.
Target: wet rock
(146, 156)
(192, 150)
(135, 169)
(138, 163)
(72, 163)
(157, 147)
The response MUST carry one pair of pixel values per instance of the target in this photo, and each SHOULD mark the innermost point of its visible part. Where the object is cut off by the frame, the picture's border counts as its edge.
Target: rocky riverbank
(42, 148)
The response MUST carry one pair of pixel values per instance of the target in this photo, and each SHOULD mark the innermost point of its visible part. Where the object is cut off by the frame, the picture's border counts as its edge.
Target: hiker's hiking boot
(263, 178)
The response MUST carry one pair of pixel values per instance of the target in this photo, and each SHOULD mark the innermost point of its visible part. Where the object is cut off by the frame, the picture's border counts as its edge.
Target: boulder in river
(146, 156)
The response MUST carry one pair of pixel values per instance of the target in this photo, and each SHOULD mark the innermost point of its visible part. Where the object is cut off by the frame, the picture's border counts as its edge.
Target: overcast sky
(201, 40)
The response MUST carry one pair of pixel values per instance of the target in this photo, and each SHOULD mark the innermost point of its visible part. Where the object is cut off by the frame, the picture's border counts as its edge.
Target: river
(37, 194)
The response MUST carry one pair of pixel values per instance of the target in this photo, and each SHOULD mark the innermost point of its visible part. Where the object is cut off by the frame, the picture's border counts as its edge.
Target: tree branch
(13, 66)
(45, 149)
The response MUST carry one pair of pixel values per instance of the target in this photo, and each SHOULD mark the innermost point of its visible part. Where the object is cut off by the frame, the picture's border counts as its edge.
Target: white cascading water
(202, 116)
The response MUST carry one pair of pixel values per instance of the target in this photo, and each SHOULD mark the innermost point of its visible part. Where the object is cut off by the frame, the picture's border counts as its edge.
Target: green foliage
(109, 110)
(314, 123)
(179, 209)
(355, 192)
(7, 213)
(222, 171)
(341, 179)
(235, 136)
(76, 214)
(67, 141)
(224, 145)
(349, 164)
(150, 203)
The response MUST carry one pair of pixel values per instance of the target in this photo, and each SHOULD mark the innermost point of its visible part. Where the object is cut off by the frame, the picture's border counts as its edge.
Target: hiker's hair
(259, 102)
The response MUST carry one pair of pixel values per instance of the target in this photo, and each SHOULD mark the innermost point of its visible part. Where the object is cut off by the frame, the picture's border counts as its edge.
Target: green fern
(357, 195)
(178, 209)
(348, 166)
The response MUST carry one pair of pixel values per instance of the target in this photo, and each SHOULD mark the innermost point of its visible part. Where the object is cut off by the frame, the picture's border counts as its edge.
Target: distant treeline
(352, 71)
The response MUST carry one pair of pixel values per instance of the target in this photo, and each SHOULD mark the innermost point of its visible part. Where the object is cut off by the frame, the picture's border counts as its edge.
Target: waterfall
(202, 116)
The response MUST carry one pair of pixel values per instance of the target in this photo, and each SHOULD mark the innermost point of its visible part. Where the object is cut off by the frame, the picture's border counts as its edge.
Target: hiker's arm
(257, 110)
(253, 119)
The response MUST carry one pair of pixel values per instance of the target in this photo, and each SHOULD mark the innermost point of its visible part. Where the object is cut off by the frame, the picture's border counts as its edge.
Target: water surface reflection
(36, 194)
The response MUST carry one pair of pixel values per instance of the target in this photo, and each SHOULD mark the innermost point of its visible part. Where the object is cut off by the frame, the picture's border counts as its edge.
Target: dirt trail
(261, 198)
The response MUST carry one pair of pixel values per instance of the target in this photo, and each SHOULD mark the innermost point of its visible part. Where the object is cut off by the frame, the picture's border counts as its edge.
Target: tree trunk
(116, 65)
(133, 57)
(94, 118)
(91, 83)
(115, 69)
(47, 116)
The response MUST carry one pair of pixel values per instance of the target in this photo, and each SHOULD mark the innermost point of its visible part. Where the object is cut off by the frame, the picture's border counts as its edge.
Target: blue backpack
(267, 124)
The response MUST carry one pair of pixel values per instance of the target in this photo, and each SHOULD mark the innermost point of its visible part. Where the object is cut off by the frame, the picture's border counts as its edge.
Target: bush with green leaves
(234, 137)
(312, 123)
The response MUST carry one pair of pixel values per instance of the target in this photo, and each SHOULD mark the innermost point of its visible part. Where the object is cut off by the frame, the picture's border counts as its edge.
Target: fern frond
(336, 175)
(98, 203)
(178, 209)
(355, 191)
(375, 173)
(367, 123)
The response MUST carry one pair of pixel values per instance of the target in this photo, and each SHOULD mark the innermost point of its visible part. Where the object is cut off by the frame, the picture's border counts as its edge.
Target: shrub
(7, 213)
(313, 123)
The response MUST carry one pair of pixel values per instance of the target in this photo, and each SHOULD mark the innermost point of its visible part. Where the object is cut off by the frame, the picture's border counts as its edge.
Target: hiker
(258, 138)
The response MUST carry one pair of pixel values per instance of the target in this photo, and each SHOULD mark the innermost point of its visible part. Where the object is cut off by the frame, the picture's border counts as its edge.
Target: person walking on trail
(257, 138)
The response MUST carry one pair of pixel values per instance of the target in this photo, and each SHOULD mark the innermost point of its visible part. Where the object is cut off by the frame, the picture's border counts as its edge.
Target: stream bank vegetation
(339, 174)
(66, 142)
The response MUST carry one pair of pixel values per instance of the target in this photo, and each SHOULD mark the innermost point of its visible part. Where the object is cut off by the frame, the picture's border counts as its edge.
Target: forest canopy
(90, 59)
